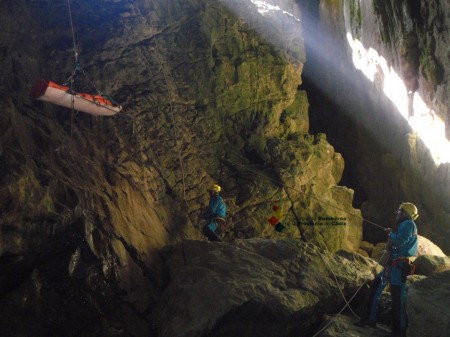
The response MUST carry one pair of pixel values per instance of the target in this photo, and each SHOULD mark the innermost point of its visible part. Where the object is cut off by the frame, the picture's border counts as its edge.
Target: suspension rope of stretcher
(72, 110)
(78, 68)
(73, 32)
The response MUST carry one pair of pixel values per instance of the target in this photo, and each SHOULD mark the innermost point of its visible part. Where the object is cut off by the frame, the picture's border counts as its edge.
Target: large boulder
(428, 306)
(277, 287)
(428, 264)
(427, 247)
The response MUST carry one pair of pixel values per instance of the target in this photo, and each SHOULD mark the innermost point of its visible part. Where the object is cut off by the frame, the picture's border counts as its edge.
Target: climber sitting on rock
(215, 215)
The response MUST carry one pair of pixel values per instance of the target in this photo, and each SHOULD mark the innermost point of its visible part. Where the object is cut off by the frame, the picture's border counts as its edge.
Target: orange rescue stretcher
(61, 95)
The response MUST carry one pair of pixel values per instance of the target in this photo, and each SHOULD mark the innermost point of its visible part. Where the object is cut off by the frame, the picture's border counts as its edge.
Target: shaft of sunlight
(276, 21)
(264, 7)
(423, 120)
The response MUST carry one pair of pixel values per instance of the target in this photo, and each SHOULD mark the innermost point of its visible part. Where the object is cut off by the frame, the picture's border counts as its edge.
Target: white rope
(73, 32)
(281, 183)
(338, 286)
(347, 303)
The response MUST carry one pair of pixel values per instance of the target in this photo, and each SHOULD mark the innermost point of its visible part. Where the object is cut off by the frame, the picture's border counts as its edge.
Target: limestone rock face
(427, 306)
(277, 287)
(367, 48)
(87, 203)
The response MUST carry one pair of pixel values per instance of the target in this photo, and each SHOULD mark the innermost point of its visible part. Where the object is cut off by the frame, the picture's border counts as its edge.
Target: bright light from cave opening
(423, 120)
(265, 7)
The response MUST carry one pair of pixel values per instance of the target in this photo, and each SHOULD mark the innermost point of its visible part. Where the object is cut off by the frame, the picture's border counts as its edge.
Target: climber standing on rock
(215, 215)
(402, 245)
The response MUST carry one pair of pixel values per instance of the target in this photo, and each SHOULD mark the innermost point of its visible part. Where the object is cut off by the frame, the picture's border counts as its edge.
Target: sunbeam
(423, 120)
(277, 22)
(265, 7)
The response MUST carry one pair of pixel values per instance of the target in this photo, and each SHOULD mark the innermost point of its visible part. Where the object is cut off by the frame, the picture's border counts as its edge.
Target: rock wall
(88, 203)
(409, 37)
(254, 287)
(427, 306)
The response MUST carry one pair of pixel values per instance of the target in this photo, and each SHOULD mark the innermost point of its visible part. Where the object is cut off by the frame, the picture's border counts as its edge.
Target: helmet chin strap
(405, 216)
(400, 220)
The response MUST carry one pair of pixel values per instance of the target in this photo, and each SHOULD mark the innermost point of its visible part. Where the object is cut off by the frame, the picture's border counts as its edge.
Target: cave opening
(325, 114)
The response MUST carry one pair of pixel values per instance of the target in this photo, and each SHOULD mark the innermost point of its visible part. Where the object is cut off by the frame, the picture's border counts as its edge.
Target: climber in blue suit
(402, 245)
(215, 215)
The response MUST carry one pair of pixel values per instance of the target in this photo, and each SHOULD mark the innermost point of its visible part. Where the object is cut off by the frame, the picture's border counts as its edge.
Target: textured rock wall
(87, 203)
(254, 287)
(410, 37)
(427, 306)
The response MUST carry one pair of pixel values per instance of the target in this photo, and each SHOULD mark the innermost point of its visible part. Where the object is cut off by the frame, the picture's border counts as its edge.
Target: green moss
(356, 17)
(431, 70)
(300, 104)
(379, 8)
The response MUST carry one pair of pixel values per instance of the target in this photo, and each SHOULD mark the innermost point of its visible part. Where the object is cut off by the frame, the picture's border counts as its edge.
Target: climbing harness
(408, 266)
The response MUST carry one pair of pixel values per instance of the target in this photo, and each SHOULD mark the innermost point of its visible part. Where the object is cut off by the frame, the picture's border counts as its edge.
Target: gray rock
(429, 264)
(215, 286)
(342, 325)
(428, 306)
(427, 247)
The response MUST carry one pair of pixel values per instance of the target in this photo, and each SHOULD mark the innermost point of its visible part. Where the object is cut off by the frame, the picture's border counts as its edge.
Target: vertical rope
(72, 112)
(73, 32)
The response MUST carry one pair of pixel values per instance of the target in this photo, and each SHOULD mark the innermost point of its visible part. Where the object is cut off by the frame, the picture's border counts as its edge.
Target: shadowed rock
(428, 306)
(283, 285)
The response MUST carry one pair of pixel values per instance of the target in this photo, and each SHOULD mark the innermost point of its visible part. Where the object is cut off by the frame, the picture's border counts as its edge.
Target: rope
(281, 183)
(340, 290)
(72, 110)
(347, 303)
(73, 32)
(78, 67)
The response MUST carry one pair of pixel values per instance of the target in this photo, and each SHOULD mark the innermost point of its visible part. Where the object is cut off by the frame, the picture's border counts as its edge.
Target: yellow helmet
(216, 188)
(411, 209)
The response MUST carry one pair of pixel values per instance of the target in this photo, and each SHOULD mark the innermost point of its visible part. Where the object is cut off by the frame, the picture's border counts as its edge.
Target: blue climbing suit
(216, 209)
(376, 288)
(404, 245)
